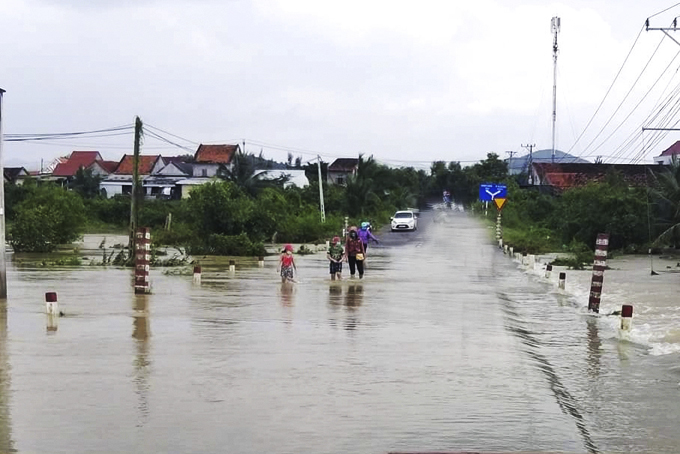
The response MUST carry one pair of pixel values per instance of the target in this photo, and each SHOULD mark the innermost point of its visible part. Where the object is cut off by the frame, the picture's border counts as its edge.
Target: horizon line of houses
(174, 177)
(168, 177)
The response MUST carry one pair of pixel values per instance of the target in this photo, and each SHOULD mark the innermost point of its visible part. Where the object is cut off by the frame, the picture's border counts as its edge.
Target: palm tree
(243, 173)
(666, 195)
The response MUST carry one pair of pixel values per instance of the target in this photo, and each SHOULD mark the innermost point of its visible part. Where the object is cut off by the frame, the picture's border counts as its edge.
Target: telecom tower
(555, 28)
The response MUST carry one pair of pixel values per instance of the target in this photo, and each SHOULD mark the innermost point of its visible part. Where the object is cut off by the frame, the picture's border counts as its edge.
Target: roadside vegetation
(238, 213)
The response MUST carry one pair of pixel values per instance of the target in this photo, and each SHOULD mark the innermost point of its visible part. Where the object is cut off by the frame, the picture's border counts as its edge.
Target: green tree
(50, 216)
(86, 184)
(220, 207)
(665, 194)
(583, 212)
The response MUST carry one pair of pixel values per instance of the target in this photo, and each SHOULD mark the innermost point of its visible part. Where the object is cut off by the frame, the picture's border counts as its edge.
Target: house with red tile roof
(120, 181)
(668, 154)
(147, 165)
(77, 159)
(209, 159)
(563, 176)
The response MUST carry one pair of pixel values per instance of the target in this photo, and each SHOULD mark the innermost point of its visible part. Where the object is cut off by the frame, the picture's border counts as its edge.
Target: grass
(103, 228)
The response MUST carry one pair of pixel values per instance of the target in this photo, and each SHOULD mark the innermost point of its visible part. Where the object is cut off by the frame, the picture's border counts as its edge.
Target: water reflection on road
(439, 347)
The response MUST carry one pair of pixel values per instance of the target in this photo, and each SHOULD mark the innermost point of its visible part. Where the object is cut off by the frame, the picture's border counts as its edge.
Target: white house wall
(210, 170)
(112, 189)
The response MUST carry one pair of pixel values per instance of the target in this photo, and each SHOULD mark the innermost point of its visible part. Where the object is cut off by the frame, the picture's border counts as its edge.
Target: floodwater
(446, 344)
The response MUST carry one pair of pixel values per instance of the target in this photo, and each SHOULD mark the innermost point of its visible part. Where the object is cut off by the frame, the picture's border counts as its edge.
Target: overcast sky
(404, 81)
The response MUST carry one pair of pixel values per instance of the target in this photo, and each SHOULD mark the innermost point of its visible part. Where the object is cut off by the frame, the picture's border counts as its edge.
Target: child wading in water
(336, 254)
(287, 266)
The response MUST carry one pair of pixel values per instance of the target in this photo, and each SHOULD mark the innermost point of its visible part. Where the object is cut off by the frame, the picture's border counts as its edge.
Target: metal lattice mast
(555, 28)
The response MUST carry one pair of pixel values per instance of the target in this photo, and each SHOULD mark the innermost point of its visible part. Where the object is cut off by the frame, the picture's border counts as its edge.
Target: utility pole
(665, 30)
(530, 147)
(555, 27)
(3, 265)
(136, 190)
(321, 204)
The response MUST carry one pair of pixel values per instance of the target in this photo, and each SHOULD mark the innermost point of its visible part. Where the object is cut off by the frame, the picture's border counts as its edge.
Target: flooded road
(446, 344)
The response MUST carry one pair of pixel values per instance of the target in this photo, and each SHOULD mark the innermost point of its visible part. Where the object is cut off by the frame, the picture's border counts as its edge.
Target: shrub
(227, 245)
(47, 218)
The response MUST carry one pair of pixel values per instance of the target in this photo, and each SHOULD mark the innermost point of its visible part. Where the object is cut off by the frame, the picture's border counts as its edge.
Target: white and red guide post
(599, 265)
(142, 260)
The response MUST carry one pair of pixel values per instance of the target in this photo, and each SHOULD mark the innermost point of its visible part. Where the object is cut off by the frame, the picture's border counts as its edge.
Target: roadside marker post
(599, 265)
(142, 260)
(626, 317)
(260, 261)
(561, 283)
(548, 271)
(232, 266)
(52, 311)
(51, 304)
(197, 274)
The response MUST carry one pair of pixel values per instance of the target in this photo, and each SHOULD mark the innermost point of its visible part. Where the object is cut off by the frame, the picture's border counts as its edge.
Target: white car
(404, 220)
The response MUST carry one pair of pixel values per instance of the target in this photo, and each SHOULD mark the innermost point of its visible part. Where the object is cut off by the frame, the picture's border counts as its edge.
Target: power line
(193, 142)
(624, 98)
(661, 12)
(632, 111)
(149, 133)
(607, 93)
(108, 132)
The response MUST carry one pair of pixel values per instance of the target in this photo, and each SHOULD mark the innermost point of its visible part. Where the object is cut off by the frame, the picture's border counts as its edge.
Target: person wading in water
(356, 254)
(365, 235)
(287, 266)
(335, 255)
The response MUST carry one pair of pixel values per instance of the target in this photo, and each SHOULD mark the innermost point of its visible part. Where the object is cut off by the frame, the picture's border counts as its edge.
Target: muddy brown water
(446, 344)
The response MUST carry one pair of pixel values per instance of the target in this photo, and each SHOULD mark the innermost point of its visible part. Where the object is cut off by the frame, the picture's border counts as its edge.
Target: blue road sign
(490, 191)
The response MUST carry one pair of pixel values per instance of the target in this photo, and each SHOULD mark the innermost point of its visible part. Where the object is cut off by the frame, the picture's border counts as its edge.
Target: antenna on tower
(555, 25)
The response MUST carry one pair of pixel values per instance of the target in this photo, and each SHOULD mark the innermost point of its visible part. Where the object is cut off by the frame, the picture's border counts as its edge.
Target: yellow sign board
(499, 203)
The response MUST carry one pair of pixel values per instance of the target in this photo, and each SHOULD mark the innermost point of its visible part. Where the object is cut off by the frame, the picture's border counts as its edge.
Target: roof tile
(146, 164)
(77, 160)
(215, 154)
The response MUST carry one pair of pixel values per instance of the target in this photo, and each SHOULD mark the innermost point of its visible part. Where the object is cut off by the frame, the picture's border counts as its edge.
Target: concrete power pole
(555, 27)
(321, 204)
(3, 265)
(136, 190)
(530, 147)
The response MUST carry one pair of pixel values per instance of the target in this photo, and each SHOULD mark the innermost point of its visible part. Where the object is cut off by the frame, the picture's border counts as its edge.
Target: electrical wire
(606, 95)
(108, 132)
(150, 133)
(644, 69)
(632, 111)
(661, 12)
(147, 125)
